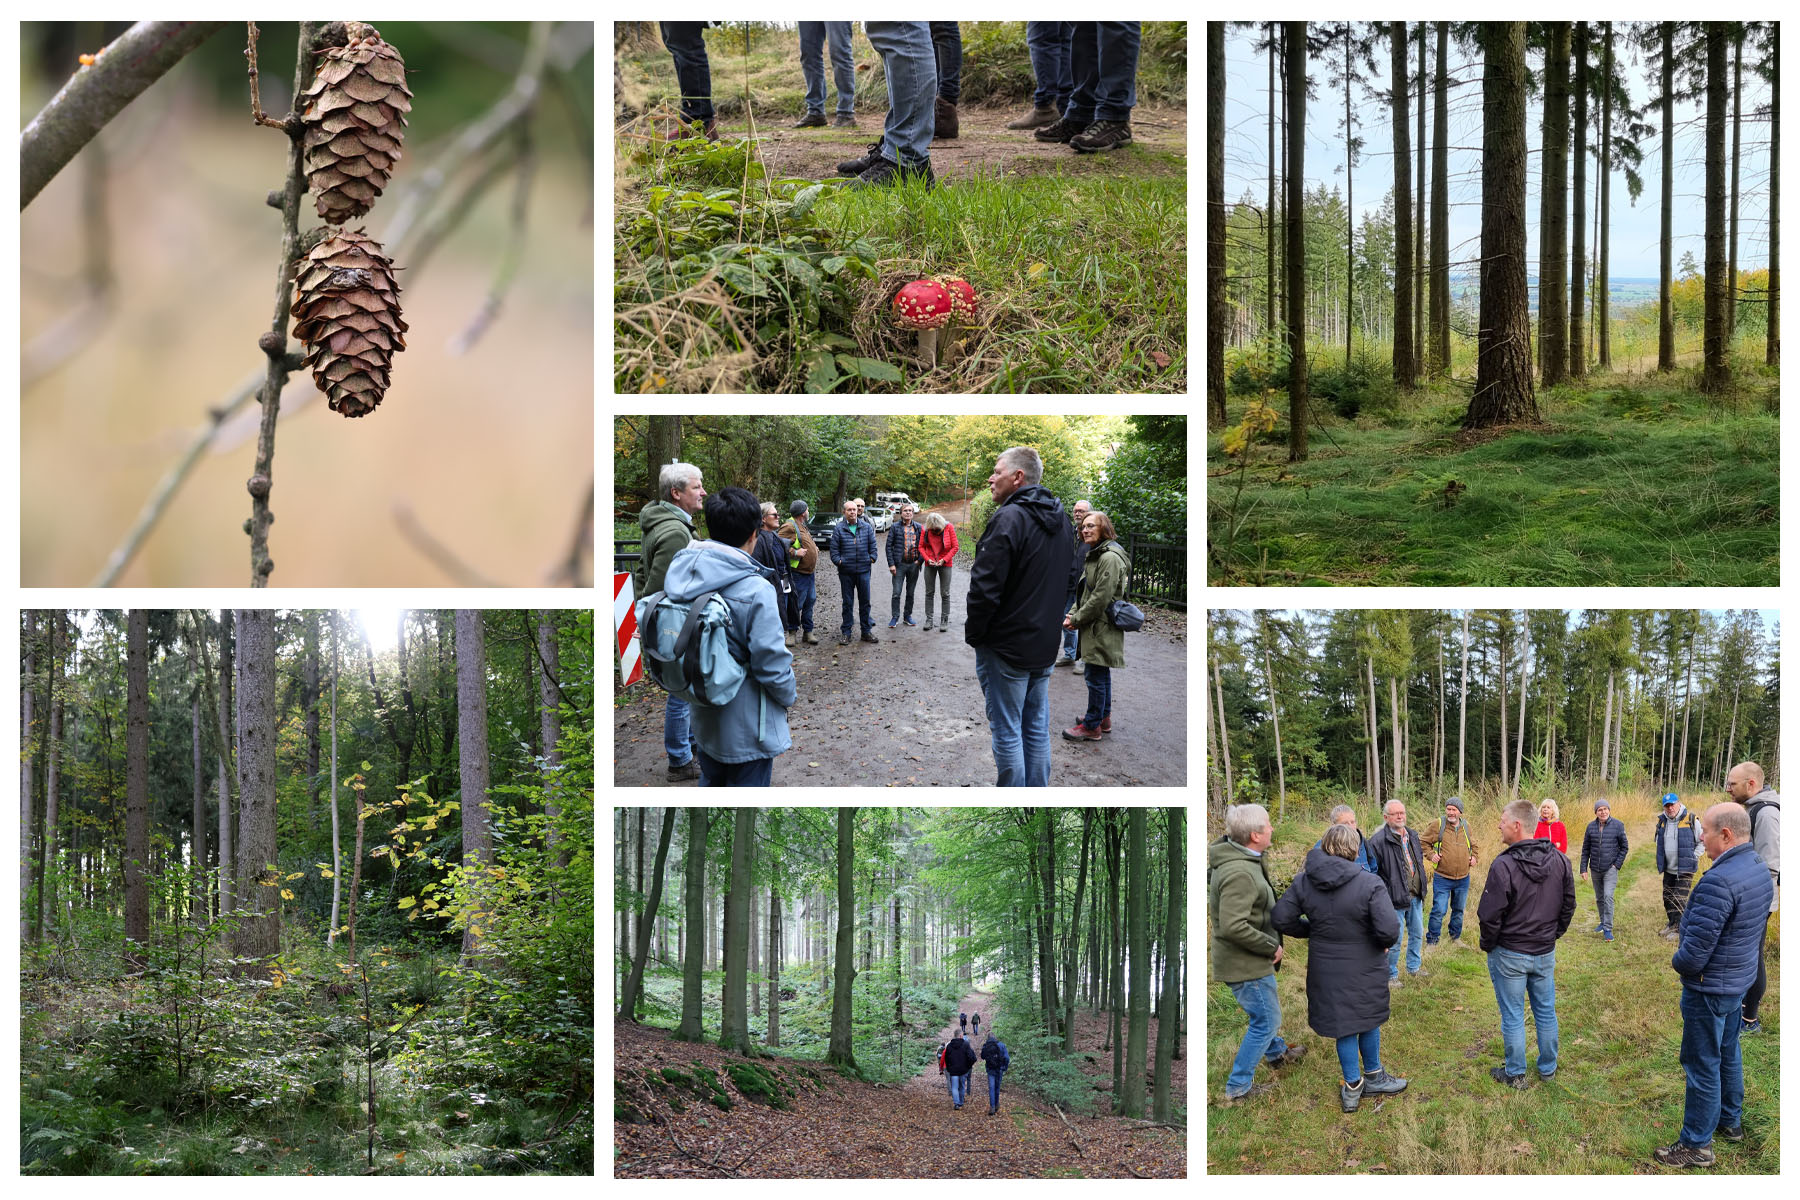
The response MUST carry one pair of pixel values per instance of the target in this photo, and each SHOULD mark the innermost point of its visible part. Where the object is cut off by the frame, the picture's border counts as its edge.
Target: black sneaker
(843, 121)
(856, 166)
(886, 174)
(1102, 135)
(871, 638)
(1681, 1155)
(1731, 1133)
(1516, 1082)
(844, 640)
(1061, 130)
(812, 120)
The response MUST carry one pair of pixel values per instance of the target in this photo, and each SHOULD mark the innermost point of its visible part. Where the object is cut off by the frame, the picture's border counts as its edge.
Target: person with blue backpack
(993, 1053)
(714, 636)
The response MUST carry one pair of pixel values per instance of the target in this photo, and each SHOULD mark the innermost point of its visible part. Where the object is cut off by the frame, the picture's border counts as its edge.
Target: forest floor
(1630, 480)
(1618, 1089)
(909, 712)
(841, 1128)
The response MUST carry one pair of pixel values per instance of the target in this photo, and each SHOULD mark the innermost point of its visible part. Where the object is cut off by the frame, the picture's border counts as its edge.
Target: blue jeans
(959, 1089)
(911, 67)
(1018, 713)
(1604, 883)
(946, 45)
(1048, 42)
(1069, 635)
(755, 773)
(950, 1081)
(855, 586)
(1099, 681)
(1515, 977)
(800, 601)
(1450, 894)
(814, 37)
(678, 741)
(1366, 1044)
(687, 47)
(994, 1088)
(1103, 59)
(1262, 1041)
(1715, 1069)
(906, 577)
(1412, 930)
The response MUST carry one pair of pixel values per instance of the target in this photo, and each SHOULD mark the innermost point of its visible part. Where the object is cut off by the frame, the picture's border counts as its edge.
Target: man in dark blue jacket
(852, 550)
(1720, 933)
(1525, 907)
(1603, 847)
(993, 1053)
(1014, 613)
(1677, 858)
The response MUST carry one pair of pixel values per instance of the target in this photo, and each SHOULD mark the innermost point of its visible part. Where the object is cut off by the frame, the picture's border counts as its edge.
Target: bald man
(1747, 787)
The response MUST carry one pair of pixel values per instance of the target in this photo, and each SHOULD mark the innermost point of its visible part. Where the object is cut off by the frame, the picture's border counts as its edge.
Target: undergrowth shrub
(1038, 1062)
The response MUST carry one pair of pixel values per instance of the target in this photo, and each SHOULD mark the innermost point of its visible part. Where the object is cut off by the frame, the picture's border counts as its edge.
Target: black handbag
(1125, 615)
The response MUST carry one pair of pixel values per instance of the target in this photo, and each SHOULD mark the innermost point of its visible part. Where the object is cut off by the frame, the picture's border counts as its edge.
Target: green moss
(759, 1083)
(674, 1075)
(720, 1101)
(624, 1111)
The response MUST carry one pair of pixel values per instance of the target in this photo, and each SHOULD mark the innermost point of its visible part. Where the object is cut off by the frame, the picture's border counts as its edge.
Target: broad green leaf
(874, 368)
(806, 199)
(823, 374)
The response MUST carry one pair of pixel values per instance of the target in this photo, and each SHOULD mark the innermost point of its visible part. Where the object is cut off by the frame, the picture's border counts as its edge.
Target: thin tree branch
(580, 546)
(513, 253)
(95, 94)
(446, 560)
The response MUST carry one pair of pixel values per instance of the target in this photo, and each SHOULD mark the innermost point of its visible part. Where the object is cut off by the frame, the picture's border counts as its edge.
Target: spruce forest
(1493, 303)
(788, 977)
(306, 892)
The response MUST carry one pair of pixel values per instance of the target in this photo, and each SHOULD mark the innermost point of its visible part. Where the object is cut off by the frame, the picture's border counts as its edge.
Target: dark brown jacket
(807, 550)
(1452, 846)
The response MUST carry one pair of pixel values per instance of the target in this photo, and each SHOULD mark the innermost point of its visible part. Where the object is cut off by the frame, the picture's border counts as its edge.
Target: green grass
(1633, 480)
(1618, 1088)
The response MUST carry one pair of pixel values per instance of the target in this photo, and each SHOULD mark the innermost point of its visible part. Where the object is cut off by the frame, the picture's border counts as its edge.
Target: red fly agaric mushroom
(964, 303)
(924, 305)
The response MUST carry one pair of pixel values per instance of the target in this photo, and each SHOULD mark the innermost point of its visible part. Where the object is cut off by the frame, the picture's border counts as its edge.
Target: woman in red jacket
(937, 548)
(1550, 825)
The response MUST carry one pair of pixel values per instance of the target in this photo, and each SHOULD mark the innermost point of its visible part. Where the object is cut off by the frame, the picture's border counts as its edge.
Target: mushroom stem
(928, 339)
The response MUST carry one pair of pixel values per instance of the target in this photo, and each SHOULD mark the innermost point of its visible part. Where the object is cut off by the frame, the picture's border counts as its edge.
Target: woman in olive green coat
(1102, 644)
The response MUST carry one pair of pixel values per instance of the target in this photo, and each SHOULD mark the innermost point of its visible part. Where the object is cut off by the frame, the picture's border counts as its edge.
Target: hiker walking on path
(963, 1020)
(993, 1053)
(959, 1061)
(949, 1080)
(1604, 847)
(978, 1026)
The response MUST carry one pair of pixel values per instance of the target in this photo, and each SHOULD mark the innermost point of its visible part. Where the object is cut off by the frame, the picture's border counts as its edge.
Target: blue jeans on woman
(1048, 42)
(911, 68)
(1714, 1065)
(1451, 894)
(687, 47)
(1515, 977)
(1099, 683)
(946, 45)
(815, 36)
(1018, 713)
(1412, 926)
(1262, 1041)
(1367, 1044)
(1103, 59)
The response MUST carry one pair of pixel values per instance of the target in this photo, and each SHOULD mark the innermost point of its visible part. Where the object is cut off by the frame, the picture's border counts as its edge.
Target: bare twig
(446, 559)
(1073, 1140)
(514, 252)
(581, 546)
(256, 110)
(94, 95)
(1135, 1171)
(274, 342)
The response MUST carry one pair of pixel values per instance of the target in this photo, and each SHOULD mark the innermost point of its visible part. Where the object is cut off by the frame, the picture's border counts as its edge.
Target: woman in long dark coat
(1349, 918)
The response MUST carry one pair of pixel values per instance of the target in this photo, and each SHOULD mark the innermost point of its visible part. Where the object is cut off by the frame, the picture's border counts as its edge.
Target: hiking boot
(1607, 936)
(812, 120)
(791, 635)
(1516, 1082)
(1682, 1155)
(687, 770)
(1751, 1026)
(1350, 1095)
(1081, 733)
(886, 174)
(1106, 724)
(843, 121)
(944, 628)
(928, 625)
(1102, 135)
(947, 122)
(871, 638)
(1380, 1083)
(1249, 1093)
(1060, 130)
(844, 640)
(1421, 973)
(1080, 667)
(1037, 118)
(856, 166)
(1067, 660)
(1731, 1133)
(809, 639)
(1288, 1057)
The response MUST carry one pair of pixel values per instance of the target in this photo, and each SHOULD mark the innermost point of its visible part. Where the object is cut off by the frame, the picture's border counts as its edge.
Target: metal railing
(1158, 571)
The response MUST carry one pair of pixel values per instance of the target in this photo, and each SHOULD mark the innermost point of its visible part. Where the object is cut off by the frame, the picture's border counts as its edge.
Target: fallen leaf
(1159, 358)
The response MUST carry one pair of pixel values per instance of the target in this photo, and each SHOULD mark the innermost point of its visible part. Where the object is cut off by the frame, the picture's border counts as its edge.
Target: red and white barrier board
(631, 664)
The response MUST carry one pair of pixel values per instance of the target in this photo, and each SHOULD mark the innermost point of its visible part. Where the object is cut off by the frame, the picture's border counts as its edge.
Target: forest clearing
(783, 1008)
(306, 893)
(1467, 379)
(744, 264)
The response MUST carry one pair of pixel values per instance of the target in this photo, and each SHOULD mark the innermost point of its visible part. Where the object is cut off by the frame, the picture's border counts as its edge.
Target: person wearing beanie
(1677, 858)
(1604, 847)
(1447, 844)
(802, 560)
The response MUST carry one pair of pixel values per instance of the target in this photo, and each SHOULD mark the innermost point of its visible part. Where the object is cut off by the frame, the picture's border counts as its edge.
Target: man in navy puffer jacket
(1720, 933)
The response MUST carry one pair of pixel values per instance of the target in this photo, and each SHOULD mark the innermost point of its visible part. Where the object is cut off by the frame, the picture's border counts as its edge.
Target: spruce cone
(354, 125)
(347, 313)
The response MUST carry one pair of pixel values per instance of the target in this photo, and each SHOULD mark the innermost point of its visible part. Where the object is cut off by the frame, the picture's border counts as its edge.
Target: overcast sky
(1636, 230)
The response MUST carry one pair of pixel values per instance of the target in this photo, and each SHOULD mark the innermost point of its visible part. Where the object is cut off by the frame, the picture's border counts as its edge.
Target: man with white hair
(1763, 805)
(667, 523)
(1245, 947)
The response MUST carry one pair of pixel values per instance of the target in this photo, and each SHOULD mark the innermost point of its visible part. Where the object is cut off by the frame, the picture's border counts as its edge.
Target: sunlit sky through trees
(1635, 228)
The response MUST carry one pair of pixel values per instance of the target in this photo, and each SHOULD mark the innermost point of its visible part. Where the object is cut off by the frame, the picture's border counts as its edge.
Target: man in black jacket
(1526, 906)
(1077, 561)
(959, 1061)
(1014, 614)
(1603, 847)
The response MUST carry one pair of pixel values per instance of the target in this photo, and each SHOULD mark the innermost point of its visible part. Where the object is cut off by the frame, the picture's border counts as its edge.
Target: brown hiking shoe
(843, 121)
(1060, 130)
(947, 121)
(1102, 135)
(1036, 118)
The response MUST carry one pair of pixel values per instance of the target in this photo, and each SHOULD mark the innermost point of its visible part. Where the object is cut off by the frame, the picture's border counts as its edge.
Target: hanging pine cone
(354, 125)
(347, 314)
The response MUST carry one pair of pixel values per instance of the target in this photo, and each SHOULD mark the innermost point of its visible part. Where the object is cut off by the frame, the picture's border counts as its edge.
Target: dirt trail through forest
(908, 712)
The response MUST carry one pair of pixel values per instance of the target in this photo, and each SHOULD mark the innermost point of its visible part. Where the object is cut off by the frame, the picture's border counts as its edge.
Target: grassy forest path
(844, 1128)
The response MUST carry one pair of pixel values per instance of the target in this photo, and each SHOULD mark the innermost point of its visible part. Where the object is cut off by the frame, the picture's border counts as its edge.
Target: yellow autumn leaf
(325, 873)
(286, 894)
(400, 1157)
(430, 904)
(406, 902)
(1036, 269)
(296, 875)
(474, 931)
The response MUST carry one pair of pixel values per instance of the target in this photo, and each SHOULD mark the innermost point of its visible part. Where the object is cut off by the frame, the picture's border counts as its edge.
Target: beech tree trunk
(840, 1054)
(1168, 1015)
(259, 936)
(774, 948)
(734, 1027)
(550, 730)
(1503, 389)
(47, 872)
(27, 806)
(472, 744)
(1131, 1099)
(652, 900)
(693, 959)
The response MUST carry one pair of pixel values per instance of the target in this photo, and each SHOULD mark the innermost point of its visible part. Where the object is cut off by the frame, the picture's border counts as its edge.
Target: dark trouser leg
(946, 43)
(1117, 45)
(1753, 997)
(688, 48)
(1084, 69)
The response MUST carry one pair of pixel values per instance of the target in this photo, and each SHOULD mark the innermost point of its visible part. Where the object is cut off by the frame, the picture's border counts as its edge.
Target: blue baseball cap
(1671, 798)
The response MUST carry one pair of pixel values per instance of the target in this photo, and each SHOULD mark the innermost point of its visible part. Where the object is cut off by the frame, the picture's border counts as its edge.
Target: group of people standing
(1355, 895)
(957, 1059)
(1042, 584)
